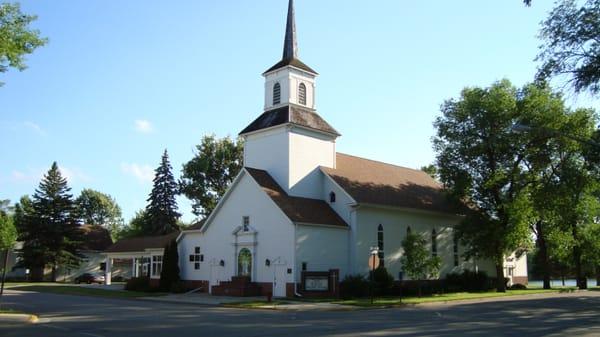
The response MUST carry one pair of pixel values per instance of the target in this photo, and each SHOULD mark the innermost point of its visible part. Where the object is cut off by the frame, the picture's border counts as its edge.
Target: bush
(138, 284)
(118, 279)
(383, 281)
(518, 286)
(353, 286)
(468, 281)
(178, 287)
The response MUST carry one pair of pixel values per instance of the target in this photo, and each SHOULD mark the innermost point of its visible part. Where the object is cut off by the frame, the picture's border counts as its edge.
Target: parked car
(90, 278)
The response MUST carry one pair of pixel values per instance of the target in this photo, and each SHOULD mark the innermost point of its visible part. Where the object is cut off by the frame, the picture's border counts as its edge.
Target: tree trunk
(419, 288)
(579, 275)
(597, 276)
(54, 273)
(543, 251)
(500, 284)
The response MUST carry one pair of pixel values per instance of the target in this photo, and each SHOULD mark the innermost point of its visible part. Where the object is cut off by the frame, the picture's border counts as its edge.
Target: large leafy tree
(50, 230)
(96, 208)
(161, 213)
(571, 45)
(8, 236)
(17, 39)
(480, 161)
(207, 176)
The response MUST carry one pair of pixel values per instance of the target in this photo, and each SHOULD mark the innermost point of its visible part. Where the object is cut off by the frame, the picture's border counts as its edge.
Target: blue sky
(120, 81)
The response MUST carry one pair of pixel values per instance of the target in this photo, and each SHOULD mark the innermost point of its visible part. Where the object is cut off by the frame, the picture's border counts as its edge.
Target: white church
(300, 216)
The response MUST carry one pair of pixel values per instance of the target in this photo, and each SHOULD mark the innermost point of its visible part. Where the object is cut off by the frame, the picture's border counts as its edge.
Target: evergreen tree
(169, 274)
(161, 212)
(50, 229)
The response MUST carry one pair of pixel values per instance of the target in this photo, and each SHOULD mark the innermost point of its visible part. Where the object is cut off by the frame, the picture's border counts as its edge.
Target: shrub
(138, 284)
(518, 286)
(178, 287)
(118, 279)
(170, 268)
(382, 281)
(468, 281)
(353, 286)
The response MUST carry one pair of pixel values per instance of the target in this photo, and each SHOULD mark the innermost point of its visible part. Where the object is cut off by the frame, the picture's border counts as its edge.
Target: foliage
(161, 213)
(481, 162)
(51, 230)
(417, 261)
(136, 226)
(468, 281)
(8, 232)
(431, 170)
(16, 38)
(571, 45)
(22, 209)
(169, 275)
(138, 284)
(207, 176)
(382, 281)
(96, 208)
(354, 286)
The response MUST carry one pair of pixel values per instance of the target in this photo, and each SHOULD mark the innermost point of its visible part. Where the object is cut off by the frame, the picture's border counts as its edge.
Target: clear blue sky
(120, 81)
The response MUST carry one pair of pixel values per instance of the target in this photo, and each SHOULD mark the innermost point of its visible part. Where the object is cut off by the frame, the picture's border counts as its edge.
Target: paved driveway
(74, 316)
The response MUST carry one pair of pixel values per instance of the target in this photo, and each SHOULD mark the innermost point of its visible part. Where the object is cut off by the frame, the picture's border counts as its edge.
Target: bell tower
(289, 139)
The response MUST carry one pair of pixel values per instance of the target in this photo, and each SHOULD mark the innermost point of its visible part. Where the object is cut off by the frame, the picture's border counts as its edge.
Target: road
(575, 314)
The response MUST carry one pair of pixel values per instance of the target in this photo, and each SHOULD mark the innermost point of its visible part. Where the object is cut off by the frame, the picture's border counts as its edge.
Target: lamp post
(373, 264)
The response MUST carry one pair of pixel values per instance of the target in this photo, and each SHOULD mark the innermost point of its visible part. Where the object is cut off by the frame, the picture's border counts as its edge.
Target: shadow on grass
(83, 291)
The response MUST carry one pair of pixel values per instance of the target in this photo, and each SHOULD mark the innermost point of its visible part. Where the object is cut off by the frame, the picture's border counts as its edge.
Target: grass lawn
(9, 311)
(395, 301)
(254, 304)
(82, 291)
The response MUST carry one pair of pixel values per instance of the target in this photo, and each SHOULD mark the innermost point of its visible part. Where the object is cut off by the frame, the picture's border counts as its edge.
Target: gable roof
(372, 182)
(95, 238)
(294, 62)
(297, 209)
(140, 244)
(292, 114)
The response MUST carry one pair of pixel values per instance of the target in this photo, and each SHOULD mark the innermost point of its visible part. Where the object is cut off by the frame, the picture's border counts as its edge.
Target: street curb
(24, 318)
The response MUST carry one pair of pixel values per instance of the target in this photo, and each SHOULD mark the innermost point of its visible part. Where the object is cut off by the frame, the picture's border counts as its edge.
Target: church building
(301, 216)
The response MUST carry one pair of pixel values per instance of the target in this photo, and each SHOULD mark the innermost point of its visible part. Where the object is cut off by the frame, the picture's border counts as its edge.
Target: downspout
(295, 266)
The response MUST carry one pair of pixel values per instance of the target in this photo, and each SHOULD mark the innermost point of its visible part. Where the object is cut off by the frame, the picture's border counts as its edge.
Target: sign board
(373, 262)
(316, 283)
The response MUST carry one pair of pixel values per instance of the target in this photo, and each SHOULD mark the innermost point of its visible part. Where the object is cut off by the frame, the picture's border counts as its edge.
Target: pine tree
(169, 274)
(50, 230)
(162, 215)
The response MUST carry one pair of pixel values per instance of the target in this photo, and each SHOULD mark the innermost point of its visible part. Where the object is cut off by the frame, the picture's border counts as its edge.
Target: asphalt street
(575, 314)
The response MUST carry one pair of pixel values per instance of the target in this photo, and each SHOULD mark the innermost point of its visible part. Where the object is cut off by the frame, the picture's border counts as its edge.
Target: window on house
(434, 250)
(304, 266)
(332, 197)
(302, 94)
(246, 223)
(196, 258)
(156, 265)
(455, 249)
(276, 94)
(380, 244)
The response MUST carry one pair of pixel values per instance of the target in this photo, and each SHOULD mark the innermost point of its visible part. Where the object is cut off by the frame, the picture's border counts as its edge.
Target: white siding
(322, 248)
(269, 150)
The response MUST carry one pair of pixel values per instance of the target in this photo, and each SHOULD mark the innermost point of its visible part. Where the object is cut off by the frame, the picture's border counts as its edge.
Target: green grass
(395, 301)
(81, 291)
(10, 311)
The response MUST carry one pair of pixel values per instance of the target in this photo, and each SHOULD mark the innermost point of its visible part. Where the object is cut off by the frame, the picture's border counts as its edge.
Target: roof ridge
(381, 162)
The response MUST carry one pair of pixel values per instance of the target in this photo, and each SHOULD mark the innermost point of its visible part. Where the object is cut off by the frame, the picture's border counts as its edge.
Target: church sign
(316, 283)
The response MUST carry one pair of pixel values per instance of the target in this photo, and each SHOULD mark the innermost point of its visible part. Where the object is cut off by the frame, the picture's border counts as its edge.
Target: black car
(89, 278)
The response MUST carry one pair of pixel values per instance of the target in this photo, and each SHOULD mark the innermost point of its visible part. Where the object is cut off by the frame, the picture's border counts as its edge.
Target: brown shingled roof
(297, 209)
(373, 182)
(292, 114)
(294, 62)
(139, 244)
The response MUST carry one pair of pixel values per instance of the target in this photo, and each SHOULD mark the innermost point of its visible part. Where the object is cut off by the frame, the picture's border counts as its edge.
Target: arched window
(245, 262)
(332, 197)
(380, 244)
(302, 94)
(434, 243)
(276, 94)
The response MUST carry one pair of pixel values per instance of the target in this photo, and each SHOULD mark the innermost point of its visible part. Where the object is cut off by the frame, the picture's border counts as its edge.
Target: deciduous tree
(96, 208)
(417, 261)
(207, 176)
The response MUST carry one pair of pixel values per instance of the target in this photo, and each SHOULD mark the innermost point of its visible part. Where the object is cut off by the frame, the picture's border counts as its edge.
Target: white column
(108, 273)
(133, 267)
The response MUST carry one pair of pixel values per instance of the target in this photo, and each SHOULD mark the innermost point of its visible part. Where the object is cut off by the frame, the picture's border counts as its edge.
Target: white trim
(409, 209)
(322, 225)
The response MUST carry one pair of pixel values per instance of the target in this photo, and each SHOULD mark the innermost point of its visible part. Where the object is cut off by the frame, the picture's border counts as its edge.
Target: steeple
(290, 44)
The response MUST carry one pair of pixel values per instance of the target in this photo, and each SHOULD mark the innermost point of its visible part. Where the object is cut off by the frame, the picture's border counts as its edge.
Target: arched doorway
(245, 262)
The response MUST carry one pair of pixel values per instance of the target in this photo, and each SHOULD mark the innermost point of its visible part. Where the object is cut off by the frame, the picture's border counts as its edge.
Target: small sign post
(373, 264)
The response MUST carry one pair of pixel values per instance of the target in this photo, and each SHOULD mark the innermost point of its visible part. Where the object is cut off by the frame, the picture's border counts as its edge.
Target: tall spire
(290, 44)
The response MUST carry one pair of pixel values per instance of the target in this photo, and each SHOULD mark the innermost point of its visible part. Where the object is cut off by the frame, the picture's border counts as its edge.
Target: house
(300, 216)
